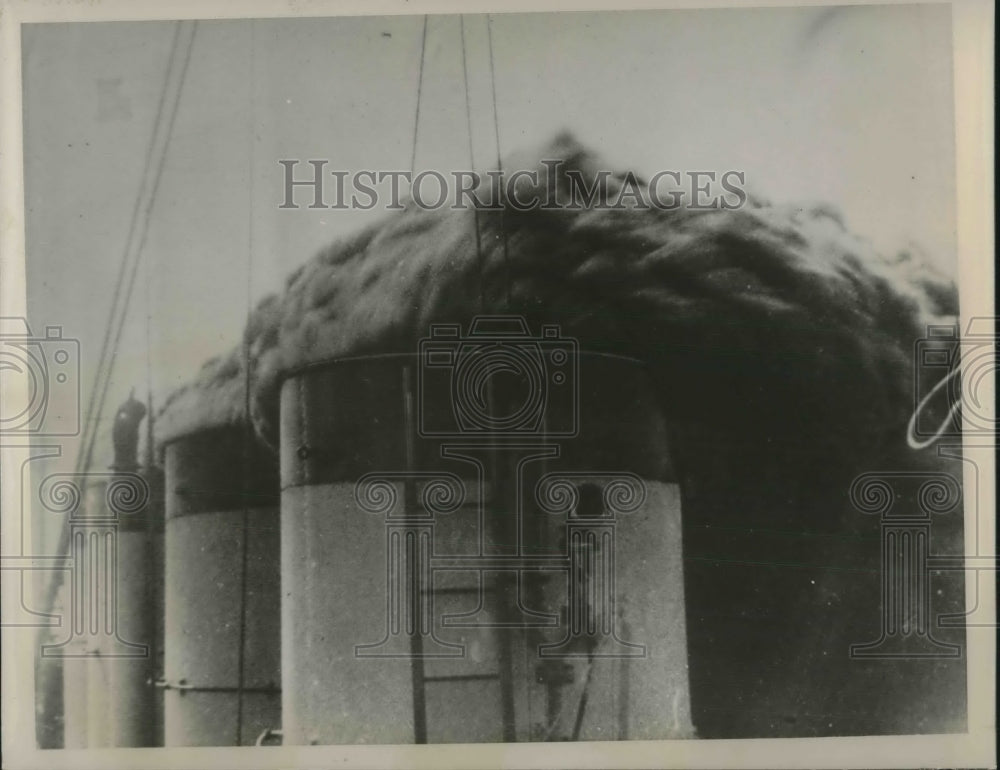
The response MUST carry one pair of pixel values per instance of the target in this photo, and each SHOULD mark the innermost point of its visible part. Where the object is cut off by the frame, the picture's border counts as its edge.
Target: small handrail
(273, 734)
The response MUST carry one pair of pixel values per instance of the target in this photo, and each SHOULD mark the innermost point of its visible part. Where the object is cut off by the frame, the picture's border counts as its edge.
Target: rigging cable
(144, 229)
(508, 722)
(84, 457)
(472, 165)
(417, 671)
(248, 432)
(416, 115)
(129, 265)
(154, 509)
(581, 707)
(496, 129)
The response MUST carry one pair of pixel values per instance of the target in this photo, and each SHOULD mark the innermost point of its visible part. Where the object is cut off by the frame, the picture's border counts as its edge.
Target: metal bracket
(273, 734)
(182, 686)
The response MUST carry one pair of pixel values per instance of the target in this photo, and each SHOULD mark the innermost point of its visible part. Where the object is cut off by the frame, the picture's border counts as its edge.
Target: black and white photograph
(491, 378)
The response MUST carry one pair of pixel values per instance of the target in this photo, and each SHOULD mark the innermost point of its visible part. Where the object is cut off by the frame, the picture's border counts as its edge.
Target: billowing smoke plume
(782, 347)
(214, 399)
(719, 302)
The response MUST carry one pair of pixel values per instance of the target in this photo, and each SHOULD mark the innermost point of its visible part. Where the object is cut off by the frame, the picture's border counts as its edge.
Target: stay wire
(248, 433)
(144, 230)
(139, 257)
(90, 429)
(420, 86)
(496, 129)
(416, 662)
(150, 449)
(117, 315)
(472, 164)
(153, 509)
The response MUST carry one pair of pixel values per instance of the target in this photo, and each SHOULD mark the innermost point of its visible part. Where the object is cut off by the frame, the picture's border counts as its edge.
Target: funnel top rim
(302, 369)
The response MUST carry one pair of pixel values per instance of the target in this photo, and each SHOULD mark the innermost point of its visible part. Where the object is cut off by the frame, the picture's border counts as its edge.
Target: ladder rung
(461, 678)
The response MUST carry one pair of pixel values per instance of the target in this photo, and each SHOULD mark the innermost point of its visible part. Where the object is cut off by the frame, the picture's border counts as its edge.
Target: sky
(851, 106)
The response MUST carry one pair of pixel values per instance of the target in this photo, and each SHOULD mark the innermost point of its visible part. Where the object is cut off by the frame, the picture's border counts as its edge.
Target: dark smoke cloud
(782, 347)
(214, 399)
(740, 293)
